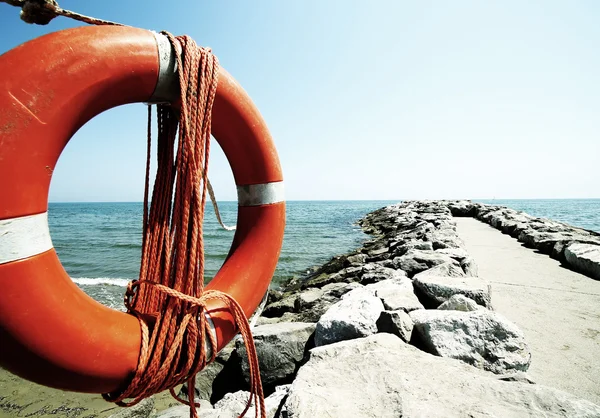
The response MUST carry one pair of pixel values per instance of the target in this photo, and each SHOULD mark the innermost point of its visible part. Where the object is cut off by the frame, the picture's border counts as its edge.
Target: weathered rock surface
(380, 376)
(354, 316)
(231, 406)
(183, 411)
(433, 291)
(584, 258)
(280, 347)
(460, 302)
(143, 409)
(396, 294)
(221, 376)
(416, 261)
(481, 338)
(374, 273)
(397, 323)
(452, 269)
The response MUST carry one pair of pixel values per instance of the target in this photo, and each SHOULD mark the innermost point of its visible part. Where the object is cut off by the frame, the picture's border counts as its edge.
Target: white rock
(397, 323)
(280, 348)
(354, 316)
(396, 294)
(584, 258)
(443, 270)
(380, 376)
(437, 290)
(481, 338)
(460, 302)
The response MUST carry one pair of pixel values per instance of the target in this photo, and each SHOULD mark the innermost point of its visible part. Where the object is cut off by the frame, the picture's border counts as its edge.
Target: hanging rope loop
(169, 297)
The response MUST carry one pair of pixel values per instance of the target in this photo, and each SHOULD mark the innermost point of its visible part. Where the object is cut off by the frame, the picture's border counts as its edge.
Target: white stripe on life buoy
(261, 194)
(24, 237)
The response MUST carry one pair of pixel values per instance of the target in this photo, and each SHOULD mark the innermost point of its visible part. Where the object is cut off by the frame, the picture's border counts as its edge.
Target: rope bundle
(169, 297)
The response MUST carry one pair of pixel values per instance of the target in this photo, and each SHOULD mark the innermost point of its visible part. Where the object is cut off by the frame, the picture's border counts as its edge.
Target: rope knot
(39, 12)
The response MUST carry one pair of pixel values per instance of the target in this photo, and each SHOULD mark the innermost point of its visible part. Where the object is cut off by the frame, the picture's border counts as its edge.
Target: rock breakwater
(403, 326)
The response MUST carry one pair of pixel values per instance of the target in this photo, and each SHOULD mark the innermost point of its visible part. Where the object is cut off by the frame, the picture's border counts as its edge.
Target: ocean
(99, 244)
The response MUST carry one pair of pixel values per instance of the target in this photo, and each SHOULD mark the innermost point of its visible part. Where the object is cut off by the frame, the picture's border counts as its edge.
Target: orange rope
(169, 297)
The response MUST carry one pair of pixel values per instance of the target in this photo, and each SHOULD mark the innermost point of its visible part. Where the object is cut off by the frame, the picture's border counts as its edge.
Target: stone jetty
(402, 327)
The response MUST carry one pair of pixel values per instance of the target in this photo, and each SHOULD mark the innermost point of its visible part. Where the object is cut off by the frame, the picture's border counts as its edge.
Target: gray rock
(469, 266)
(380, 376)
(183, 411)
(584, 258)
(286, 317)
(463, 208)
(416, 261)
(445, 239)
(354, 316)
(312, 303)
(516, 377)
(396, 294)
(280, 348)
(433, 291)
(275, 309)
(219, 377)
(397, 323)
(460, 302)
(402, 249)
(357, 259)
(233, 404)
(452, 269)
(144, 409)
(458, 254)
(374, 273)
(481, 338)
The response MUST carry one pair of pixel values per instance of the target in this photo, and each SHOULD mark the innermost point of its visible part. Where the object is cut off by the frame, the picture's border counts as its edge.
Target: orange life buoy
(50, 331)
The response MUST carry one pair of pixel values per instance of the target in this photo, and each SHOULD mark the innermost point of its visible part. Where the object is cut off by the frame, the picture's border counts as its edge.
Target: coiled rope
(169, 298)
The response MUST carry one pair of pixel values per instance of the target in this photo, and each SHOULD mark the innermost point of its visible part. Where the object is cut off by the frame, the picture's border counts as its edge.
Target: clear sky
(373, 100)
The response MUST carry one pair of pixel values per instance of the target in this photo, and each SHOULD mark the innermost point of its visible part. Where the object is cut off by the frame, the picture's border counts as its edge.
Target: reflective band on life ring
(50, 331)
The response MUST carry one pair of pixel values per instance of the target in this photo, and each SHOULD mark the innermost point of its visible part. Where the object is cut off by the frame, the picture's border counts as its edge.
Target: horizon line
(349, 200)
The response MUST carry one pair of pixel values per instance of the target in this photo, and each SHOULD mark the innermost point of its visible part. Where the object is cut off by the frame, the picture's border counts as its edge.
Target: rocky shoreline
(403, 326)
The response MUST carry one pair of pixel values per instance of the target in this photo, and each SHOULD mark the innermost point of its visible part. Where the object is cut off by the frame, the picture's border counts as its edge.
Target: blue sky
(374, 100)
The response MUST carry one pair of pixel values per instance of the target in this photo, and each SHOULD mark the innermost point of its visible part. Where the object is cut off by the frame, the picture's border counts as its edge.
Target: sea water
(99, 244)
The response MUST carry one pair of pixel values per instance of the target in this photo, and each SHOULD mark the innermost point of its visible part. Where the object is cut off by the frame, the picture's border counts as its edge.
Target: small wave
(89, 281)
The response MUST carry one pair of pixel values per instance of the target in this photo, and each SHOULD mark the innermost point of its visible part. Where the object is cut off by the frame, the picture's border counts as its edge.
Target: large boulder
(232, 405)
(462, 208)
(380, 376)
(311, 303)
(416, 261)
(452, 269)
(396, 294)
(460, 302)
(481, 338)
(280, 347)
(354, 316)
(433, 291)
(584, 258)
(219, 377)
(373, 273)
(397, 323)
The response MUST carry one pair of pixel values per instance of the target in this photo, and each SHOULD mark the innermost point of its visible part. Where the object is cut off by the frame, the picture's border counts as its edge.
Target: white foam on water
(94, 281)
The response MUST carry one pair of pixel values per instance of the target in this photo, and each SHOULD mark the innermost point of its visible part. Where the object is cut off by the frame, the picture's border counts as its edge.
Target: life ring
(50, 331)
